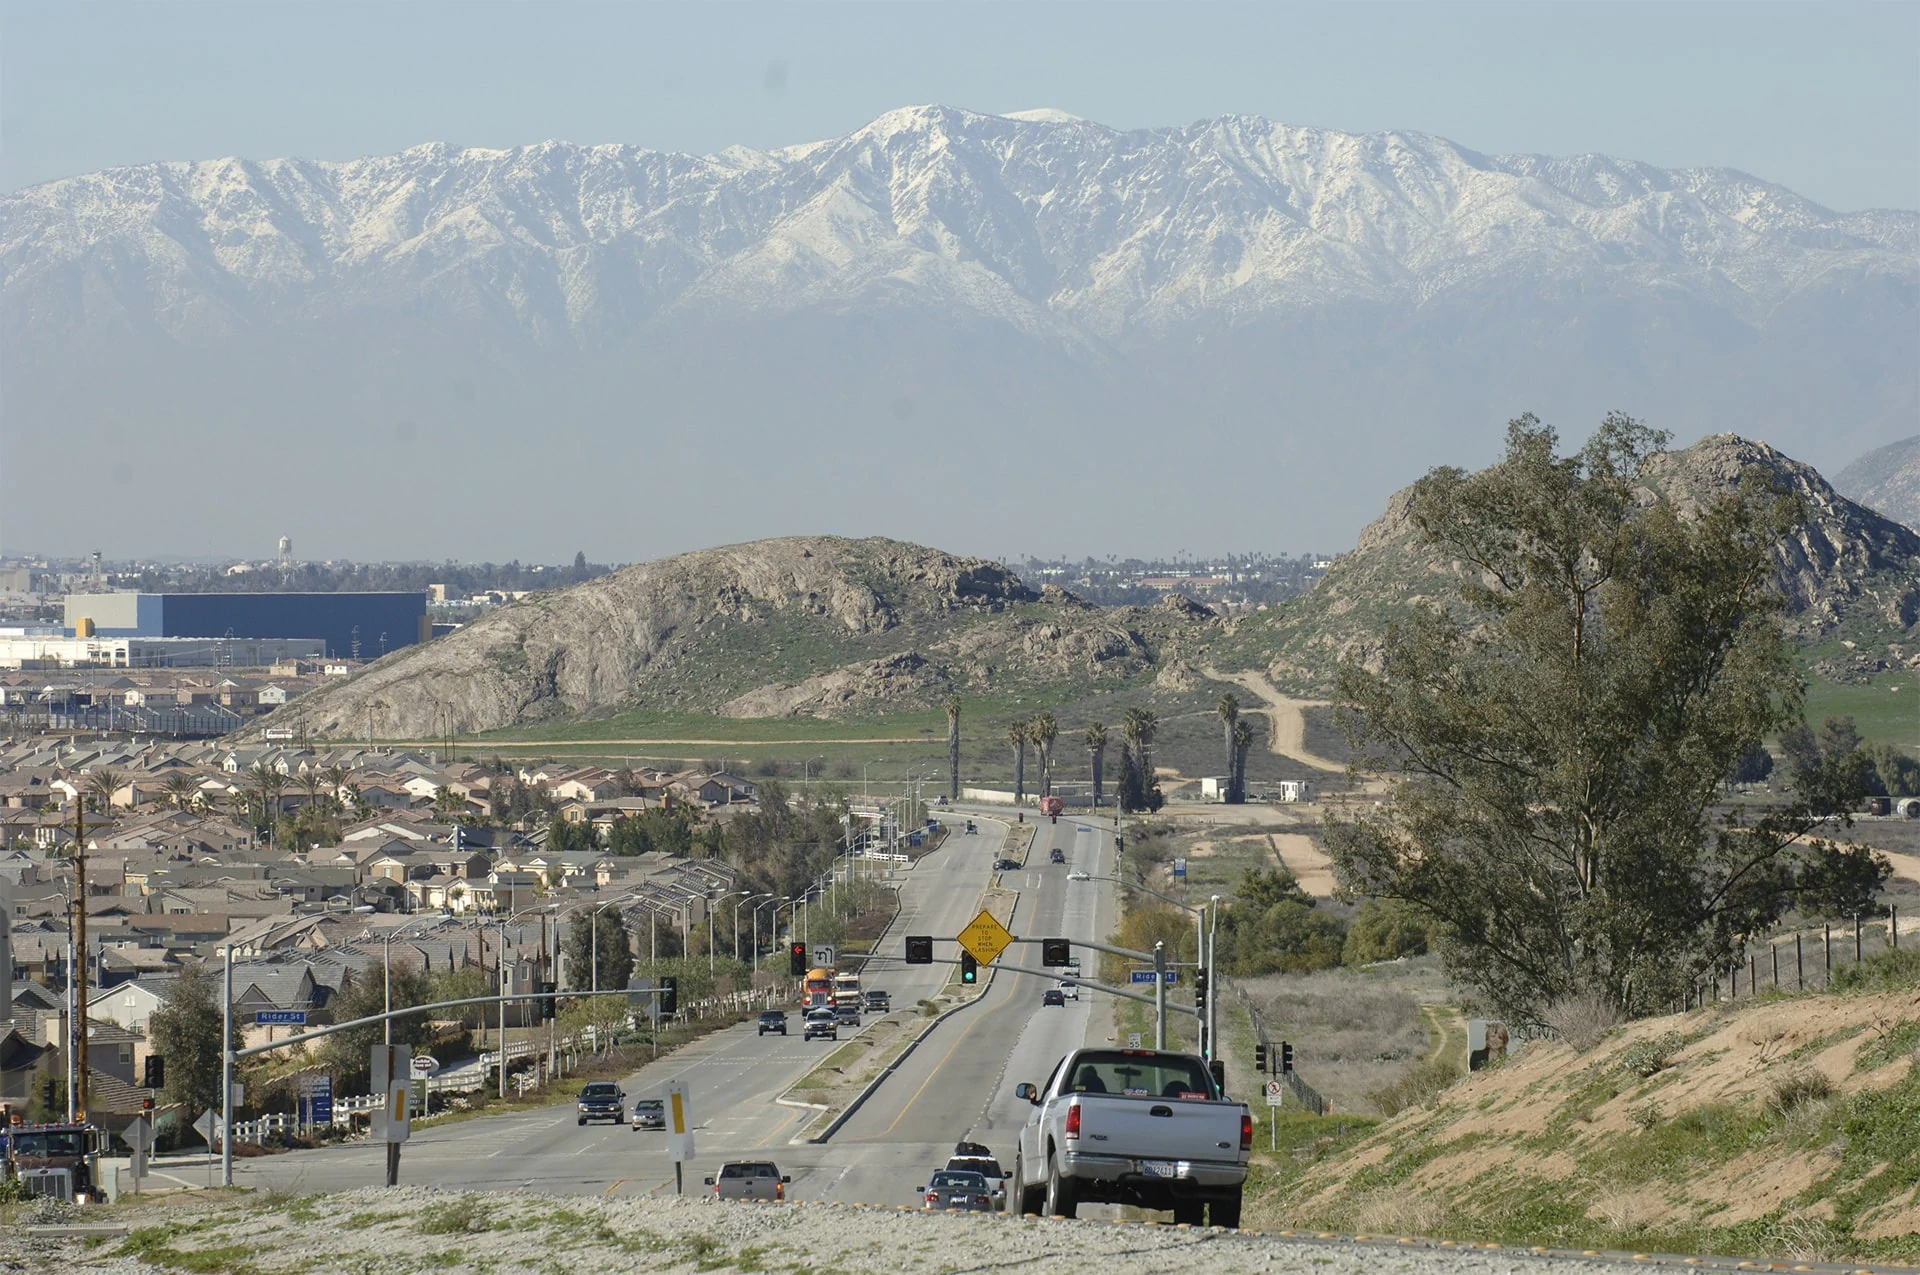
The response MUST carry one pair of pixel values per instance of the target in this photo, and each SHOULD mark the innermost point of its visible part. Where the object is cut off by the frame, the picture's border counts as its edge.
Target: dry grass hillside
(1786, 1127)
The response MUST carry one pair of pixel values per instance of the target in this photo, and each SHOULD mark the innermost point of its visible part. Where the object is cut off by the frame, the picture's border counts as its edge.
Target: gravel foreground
(415, 1229)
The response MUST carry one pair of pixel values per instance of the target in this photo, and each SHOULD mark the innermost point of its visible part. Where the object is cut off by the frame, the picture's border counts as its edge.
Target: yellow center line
(958, 1041)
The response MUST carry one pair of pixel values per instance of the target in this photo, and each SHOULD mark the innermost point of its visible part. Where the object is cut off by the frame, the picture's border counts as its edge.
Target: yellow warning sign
(985, 937)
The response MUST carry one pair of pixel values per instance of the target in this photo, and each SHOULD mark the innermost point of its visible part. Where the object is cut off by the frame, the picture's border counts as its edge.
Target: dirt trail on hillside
(1287, 716)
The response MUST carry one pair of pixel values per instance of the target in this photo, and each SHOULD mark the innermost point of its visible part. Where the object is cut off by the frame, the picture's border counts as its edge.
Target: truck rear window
(1140, 1075)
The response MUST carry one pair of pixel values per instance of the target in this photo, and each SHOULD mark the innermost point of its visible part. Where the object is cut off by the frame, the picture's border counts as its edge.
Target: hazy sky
(1822, 98)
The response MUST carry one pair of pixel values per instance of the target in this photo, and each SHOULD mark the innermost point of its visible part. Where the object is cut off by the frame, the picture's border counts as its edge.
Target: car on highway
(1057, 856)
(1069, 989)
(879, 1002)
(1007, 865)
(1053, 996)
(602, 1100)
(749, 1180)
(973, 1157)
(971, 830)
(820, 1022)
(650, 1113)
(773, 1020)
(958, 1189)
(847, 1013)
(1143, 1127)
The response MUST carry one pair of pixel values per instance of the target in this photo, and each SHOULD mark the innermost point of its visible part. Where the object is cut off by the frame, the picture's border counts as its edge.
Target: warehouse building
(347, 625)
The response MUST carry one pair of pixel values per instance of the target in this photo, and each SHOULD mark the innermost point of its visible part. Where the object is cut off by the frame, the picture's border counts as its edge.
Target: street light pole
(1159, 994)
(1213, 988)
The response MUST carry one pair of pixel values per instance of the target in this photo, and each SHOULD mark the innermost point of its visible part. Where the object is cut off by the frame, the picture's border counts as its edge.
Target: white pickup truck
(1132, 1126)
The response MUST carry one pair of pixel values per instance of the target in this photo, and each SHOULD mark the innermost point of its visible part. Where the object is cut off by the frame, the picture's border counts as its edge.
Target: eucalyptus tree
(1559, 732)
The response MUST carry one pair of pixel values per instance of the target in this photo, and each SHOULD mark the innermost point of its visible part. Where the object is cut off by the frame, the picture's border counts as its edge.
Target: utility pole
(77, 970)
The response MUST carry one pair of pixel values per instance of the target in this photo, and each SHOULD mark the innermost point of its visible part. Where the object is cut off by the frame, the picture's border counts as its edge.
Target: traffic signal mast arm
(1078, 981)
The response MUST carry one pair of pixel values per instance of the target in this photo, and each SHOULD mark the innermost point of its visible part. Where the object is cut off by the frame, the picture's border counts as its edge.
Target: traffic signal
(919, 949)
(153, 1072)
(1286, 1059)
(669, 994)
(969, 968)
(1055, 952)
(46, 1093)
(797, 959)
(1260, 1057)
(1200, 988)
(546, 1002)
(146, 1106)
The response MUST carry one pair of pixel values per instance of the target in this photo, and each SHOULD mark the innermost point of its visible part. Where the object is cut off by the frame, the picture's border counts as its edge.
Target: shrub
(1385, 930)
(462, 1216)
(1646, 1058)
(1799, 1088)
(1895, 971)
(1417, 1087)
(1644, 1115)
(1582, 1019)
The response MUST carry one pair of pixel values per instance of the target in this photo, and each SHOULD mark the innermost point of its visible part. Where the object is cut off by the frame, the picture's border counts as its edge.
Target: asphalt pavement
(956, 1084)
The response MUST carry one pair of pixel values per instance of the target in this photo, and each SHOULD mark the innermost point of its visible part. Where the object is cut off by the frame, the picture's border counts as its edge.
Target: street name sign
(280, 1017)
(985, 938)
(1146, 976)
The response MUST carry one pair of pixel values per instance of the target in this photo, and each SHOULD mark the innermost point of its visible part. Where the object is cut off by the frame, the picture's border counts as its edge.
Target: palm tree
(267, 784)
(1242, 742)
(1097, 745)
(953, 748)
(182, 789)
(102, 785)
(1229, 710)
(1043, 730)
(1138, 728)
(336, 777)
(1017, 740)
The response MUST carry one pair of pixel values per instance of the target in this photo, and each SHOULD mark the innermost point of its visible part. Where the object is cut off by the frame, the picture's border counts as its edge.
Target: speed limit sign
(1274, 1090)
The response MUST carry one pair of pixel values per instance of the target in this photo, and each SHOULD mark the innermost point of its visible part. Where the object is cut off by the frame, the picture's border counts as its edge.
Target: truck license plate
(1160, 1168)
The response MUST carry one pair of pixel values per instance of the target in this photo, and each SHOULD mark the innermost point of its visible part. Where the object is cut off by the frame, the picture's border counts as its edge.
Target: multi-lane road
(957, 1084)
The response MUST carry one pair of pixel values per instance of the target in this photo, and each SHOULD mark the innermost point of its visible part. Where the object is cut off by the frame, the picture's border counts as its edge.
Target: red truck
(1051, 807)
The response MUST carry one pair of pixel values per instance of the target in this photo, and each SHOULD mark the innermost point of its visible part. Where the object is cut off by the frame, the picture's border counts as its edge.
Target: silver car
(749, 1180)
(960, 1189)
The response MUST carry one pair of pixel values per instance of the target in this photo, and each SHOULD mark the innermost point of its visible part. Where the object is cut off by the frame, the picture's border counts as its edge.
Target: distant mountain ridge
(1033, 221)
(1886, 479)
(1334, 312)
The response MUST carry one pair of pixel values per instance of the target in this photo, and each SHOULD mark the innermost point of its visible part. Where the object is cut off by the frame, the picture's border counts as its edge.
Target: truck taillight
(1246, 1131)
(1073, 1121)
(933, 1197)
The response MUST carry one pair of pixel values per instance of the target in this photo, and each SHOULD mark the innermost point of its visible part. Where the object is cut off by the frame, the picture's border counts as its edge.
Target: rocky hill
(1848, 573)
(1886, 480)
(822, 626)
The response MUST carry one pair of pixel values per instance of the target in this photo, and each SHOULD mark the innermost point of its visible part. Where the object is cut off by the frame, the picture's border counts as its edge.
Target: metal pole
(226, 1071)
(1799, 963)
(77, 1092)
(1213, 982)
(386, 967)
(593, 919)
(500, 959)
(1159, 994)
(73, 1052)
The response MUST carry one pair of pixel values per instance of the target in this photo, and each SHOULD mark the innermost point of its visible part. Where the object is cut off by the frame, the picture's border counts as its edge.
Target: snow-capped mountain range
(1260, 280)
(1039, 218)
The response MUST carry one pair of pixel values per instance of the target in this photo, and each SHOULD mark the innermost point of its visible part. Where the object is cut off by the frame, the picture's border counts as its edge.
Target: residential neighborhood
(310, 868)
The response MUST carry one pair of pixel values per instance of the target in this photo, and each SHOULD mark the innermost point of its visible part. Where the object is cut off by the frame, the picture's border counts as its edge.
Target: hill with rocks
(812, 625)
(1847, 574)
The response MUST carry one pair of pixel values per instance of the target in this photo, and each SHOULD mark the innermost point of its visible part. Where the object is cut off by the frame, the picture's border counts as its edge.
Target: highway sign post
(679, 1132)
(823, 955)
(392, 1068)
(1275, 1092)
(139, 1137)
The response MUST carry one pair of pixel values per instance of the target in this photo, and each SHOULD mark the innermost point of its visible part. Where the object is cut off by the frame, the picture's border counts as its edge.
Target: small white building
(1214, 787)
(1293, 790)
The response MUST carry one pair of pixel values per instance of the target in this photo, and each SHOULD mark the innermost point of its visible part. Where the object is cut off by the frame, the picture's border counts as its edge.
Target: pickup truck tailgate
(1166, 1129)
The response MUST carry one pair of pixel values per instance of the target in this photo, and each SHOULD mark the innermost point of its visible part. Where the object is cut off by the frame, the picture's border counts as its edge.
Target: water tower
(286, 550)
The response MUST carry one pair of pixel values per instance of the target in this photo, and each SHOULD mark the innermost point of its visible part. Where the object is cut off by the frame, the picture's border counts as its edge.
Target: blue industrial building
(364, 624)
